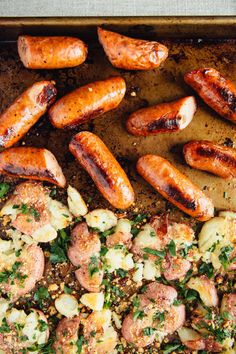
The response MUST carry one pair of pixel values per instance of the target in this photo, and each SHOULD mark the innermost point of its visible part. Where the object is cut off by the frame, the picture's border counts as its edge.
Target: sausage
(218, 92)
(175, 187)
(162, 118)
(104, 169)
(32, 266)
(51, 52)
(207, 156)
(87, 102)
(31, 163)
(67, 335)
(131, 54)
(25, 111)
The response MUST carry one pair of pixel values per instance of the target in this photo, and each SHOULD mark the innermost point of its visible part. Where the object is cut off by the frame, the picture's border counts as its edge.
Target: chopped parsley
(224, 256)
(24, 209)
(58, 248)
(172, 248)
(41, 295)
(149, 331)
(4, 188)
(159, 316)
(207, 269)
(93, 266)
(4, 328)
(42, 326)
(160, 254)
(12, 274)
(138, 314)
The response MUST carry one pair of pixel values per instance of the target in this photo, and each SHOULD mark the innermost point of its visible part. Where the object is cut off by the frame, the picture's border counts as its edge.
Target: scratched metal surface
(160, 85)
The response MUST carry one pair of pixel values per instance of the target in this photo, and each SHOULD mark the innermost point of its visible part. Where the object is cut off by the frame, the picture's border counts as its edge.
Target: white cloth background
(44, 8)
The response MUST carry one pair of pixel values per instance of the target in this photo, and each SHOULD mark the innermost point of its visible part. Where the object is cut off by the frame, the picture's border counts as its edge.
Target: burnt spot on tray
(48, 95)
(179, 197)
(216, 154)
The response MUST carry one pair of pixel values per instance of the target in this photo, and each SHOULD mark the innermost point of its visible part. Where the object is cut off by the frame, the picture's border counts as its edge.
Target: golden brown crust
(208, 156)
(218, 92)
(131, 54)
(51, 52)
(161, 118)
(104, 169)
(175, 187)
(31, 163)
(87, 102)
(25, 111)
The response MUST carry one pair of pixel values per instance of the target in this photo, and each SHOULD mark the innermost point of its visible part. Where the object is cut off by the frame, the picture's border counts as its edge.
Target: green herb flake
(160, 254)
(172, 248)
(58, 248)
(4, 188)
(149, 331)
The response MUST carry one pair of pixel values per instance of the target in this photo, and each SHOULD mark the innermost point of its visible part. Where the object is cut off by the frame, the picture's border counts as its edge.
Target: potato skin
(162, 118)
(67, 335)
(31, 163)
(51, 52)
(218, 92)
(33, 267)
(131, 54)
(208, 156)
(87, 102)
(25, 111)
(175, 187)
(103, 168)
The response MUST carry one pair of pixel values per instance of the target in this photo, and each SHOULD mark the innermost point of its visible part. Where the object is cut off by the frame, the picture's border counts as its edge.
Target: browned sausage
(161, 118)
(31, 163)
(25, 111)
(51, 52)
(218, 92)
(104, 169)
(131, 54)
(87, 102)
(175, 187)
(207, 156)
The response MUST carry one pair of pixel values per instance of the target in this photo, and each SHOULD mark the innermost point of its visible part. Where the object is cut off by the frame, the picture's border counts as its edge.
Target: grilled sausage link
(218, 92)
(131, 54)
(87, 102)
(175, 187)
(161, 118)
(31, 163)
(207, 156)
(51, 52)
(104, 169)
(25, 111)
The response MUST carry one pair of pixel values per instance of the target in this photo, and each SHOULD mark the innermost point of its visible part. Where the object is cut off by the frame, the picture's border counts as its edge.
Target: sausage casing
(51, 52)
(131, 54)
(31, 163)
(207, 156)
(25, 111)
(218, 92)
(175, 187)
(104, 169)
(161, 118)
(87, 102)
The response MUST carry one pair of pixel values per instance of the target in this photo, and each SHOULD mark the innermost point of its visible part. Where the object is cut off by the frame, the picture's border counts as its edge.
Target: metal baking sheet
(192, 43)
